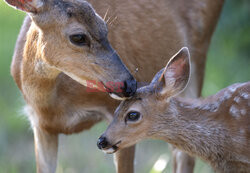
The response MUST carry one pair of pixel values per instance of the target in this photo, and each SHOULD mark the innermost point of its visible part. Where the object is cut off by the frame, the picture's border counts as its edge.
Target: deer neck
(194, 126)
(38, 78)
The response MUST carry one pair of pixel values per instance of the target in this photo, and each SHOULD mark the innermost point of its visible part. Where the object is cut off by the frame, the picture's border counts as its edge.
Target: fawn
(64, 43)
(216, 129)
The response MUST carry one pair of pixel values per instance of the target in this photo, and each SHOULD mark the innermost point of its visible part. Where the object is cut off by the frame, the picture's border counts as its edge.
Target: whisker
(112, 21)
(108, 20)
(105, 15)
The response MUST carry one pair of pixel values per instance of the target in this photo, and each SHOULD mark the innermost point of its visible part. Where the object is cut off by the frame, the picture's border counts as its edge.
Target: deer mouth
(114, 95)
(117, 97)
(112, 149)
(122, 93)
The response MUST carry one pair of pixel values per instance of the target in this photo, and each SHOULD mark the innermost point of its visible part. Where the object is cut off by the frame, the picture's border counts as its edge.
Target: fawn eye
(133, 116)
(79, 39)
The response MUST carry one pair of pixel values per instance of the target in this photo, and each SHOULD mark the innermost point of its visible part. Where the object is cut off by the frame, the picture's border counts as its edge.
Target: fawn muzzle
(104, 145)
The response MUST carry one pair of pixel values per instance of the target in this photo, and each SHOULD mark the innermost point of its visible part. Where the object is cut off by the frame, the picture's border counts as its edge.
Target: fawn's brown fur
(51, 72)
(216, 129)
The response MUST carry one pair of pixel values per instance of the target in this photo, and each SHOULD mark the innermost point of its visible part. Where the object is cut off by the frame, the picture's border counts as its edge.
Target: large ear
(30, 6)
(174, 78)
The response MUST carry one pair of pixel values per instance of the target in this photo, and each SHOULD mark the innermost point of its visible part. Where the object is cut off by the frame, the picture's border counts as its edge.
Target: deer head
(71, 37)
(137, 118)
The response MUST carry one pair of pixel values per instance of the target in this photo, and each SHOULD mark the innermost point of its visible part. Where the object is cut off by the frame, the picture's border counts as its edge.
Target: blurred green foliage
(228, 62)
(229, 54)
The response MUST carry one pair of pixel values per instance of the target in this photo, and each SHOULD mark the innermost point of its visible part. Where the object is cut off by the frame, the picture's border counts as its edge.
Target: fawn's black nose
(102, 143)
(130, 87)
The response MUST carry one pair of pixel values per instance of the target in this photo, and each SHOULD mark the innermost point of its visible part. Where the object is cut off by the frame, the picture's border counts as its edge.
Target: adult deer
(217, 128)
(63, 43)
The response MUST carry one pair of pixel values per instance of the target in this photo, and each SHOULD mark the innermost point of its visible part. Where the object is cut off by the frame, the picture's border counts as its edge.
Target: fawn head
(72, 38)
(136, 118)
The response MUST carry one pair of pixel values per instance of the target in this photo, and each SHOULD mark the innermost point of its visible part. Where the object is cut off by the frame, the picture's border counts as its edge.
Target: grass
(228, 62)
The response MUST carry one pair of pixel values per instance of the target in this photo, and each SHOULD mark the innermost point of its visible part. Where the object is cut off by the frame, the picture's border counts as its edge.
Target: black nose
(102, 143)
(130, 87)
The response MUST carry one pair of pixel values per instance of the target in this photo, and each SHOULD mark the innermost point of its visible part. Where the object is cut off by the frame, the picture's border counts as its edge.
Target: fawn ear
(30, 6)
(174, 78)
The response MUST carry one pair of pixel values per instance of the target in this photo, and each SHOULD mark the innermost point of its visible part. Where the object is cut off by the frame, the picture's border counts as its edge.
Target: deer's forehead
(126, 105)
(83, 12)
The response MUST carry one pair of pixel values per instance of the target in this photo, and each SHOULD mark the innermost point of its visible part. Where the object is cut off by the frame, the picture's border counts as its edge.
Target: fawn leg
(46, 146)
(124, 160)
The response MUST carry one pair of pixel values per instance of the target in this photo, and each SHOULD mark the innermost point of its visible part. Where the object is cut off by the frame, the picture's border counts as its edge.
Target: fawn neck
(215, 128)
(191, 127)
(204, 128)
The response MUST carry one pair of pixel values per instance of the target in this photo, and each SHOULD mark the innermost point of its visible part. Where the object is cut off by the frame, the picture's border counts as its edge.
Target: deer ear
(175, 76)
(30, 6)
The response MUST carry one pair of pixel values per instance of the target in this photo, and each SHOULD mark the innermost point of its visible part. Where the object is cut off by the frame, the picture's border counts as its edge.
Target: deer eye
(79, 39)
(132, 116)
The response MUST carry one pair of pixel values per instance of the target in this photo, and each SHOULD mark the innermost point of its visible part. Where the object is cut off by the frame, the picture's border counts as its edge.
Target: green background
(228, 62)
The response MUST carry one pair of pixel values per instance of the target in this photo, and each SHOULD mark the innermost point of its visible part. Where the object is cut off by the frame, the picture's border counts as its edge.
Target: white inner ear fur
(169, 74)
(169, 81)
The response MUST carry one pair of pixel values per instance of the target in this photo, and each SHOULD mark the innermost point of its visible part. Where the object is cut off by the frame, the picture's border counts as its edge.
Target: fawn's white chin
(109, 151)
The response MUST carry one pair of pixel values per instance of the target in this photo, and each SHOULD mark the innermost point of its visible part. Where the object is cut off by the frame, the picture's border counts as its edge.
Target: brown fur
(142, 30)
(215, 129)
